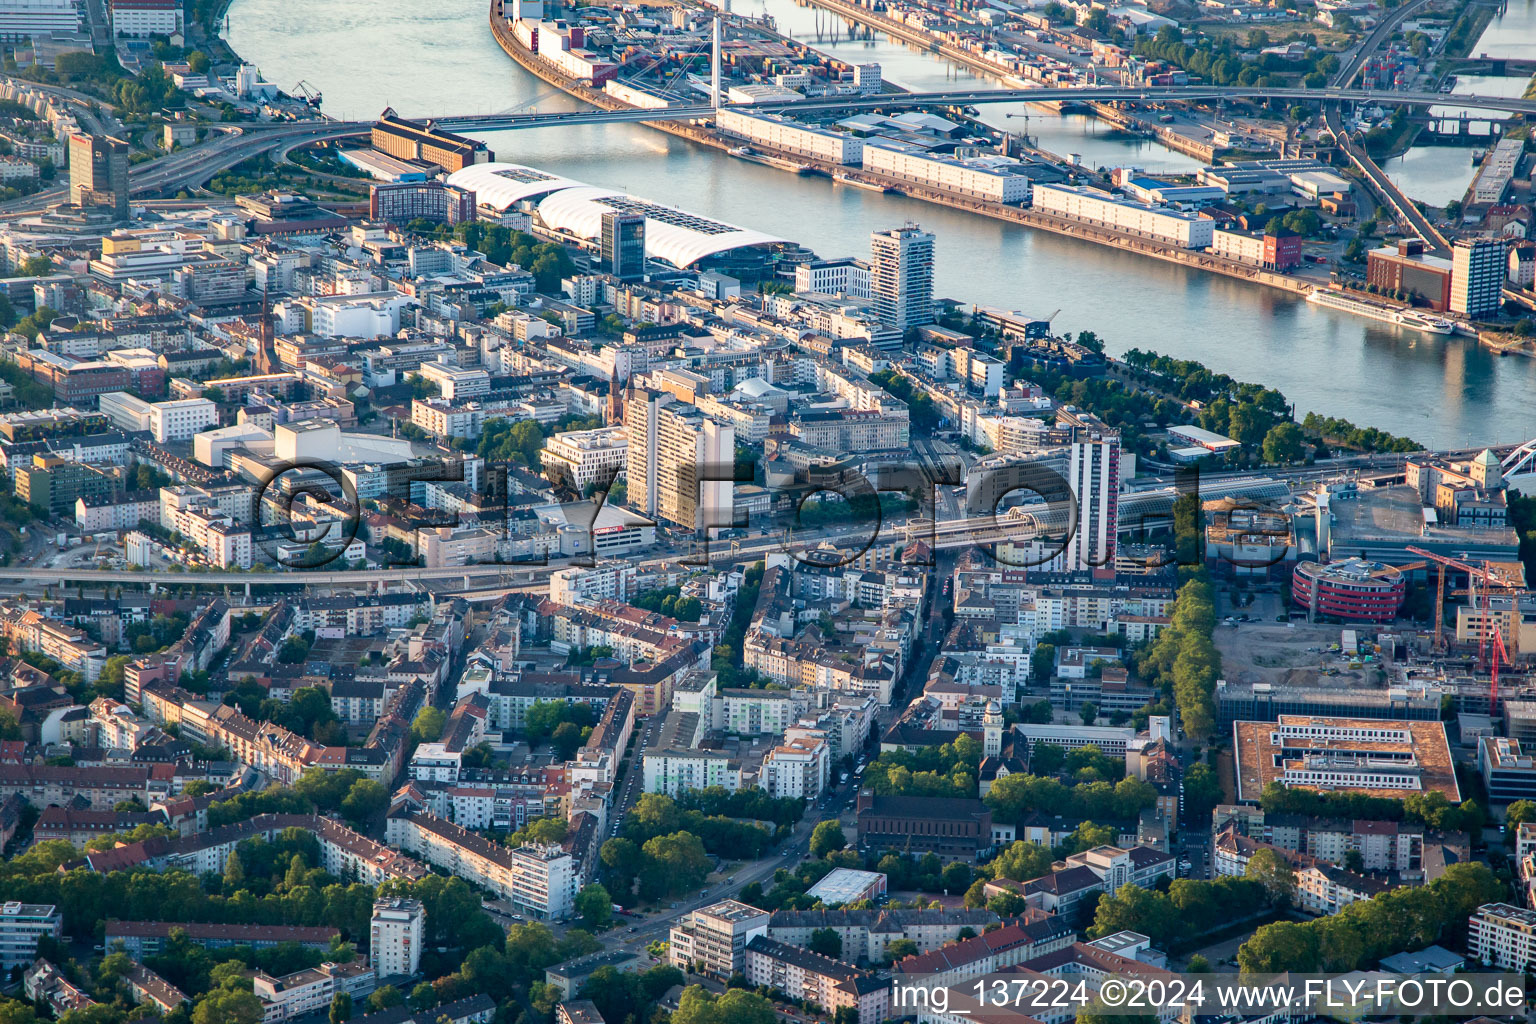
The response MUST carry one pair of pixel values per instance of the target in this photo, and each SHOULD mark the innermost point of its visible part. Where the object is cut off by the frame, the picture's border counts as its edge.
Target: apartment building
(1503, 937)
(99, 788)
(866, 933)
(541, 880)
(796, 768)
(343, 852)
(312, 989)
(830, 984)
(713, 940)
(991, 951)
(141, 939)
(395, 930)
(678, 462)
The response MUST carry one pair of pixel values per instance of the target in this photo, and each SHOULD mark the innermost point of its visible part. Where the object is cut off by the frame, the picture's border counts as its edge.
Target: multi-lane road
(191, 168)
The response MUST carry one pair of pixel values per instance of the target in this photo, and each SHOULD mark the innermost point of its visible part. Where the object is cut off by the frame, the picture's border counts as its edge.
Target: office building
(1508, 770)
(395, 929)
(901, 276)
(182, 419)
(98, 173)
(680, 463)
(1354, 590)
(713, 940)
(1093, 474)
(623, 245)
(401, 202)
(1344, 755)
(1406, 268)
(21, 925)
(583, 457)
(1478, 269)
(1502, 936)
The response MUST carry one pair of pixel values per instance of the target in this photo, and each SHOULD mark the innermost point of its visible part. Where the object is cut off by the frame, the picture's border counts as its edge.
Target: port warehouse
(1095, 206)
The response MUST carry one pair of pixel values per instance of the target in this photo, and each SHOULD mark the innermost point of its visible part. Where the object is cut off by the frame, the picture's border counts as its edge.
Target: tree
(1268, 867)
(1198, 965)
(1023, 861)
(827, 837)
(364, 800)
(1089, 712)
(595, 905)
(898, 949)
(341, 1007)
(1518, 813)
(1047, 759)
(566, 740)
(1202, 792)
(1283, 443)
(1007, 904)
(429, 724)
(234, 872)
(384, 998)
(1281, 946)
(827, 942)
(956, 877)
(228, 1006)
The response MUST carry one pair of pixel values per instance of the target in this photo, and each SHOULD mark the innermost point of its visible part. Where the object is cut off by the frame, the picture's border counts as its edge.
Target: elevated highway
(977, 97)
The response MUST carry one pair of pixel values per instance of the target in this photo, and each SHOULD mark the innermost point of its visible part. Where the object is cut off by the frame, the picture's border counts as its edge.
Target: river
(436, 56)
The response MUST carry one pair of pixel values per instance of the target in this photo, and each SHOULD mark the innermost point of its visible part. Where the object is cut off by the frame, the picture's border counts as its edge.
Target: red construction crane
(1499, 654)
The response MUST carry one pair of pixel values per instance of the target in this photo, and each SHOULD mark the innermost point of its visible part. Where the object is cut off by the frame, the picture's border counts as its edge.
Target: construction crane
(1492, 579)
(1499, 653)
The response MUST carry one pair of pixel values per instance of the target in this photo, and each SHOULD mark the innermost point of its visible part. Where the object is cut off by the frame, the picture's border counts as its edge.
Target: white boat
(1410, 318)
(1424, 322)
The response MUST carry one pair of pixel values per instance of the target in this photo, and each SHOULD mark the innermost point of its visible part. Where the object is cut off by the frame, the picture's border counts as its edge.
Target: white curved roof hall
(672, 235)
(503, 185)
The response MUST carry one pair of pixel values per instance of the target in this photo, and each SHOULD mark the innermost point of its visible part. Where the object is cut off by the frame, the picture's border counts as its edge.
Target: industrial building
(996, 179)
(413, 140)
(792, 136)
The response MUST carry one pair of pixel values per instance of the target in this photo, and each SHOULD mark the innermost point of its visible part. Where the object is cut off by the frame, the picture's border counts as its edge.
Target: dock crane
(311, 95)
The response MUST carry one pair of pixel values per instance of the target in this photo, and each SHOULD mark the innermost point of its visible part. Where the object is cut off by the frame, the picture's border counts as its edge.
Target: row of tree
(1183, 659)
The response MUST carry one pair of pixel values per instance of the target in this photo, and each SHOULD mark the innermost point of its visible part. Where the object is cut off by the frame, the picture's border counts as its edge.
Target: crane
(309, 92)
(1491, 579)
(1499, 653)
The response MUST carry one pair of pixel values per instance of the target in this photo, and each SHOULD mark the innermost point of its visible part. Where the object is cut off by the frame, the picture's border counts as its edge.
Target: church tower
(992, 731)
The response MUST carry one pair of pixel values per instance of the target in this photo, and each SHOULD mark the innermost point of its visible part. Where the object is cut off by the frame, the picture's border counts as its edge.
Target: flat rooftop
(1349, 747)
